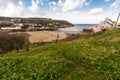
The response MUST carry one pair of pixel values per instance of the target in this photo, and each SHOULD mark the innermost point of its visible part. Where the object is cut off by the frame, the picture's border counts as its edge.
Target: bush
(9, 42)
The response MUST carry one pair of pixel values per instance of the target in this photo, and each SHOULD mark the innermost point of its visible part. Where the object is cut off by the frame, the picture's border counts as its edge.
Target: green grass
(95, 57)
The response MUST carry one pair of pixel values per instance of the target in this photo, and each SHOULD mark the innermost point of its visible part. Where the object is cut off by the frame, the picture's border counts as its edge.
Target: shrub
(11, 41)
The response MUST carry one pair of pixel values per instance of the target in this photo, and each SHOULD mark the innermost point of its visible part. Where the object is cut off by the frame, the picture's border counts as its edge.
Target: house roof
(109, 21)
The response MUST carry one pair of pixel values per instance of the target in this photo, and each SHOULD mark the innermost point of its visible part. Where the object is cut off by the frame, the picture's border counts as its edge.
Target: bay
(77, 27)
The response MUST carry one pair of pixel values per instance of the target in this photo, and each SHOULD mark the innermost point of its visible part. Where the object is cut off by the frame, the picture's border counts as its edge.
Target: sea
(78, 27)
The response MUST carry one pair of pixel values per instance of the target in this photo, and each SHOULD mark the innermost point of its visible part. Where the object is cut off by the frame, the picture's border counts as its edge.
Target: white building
(11, 28)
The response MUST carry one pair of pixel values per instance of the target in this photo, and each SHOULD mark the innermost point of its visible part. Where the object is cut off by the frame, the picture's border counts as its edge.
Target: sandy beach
(44, 36)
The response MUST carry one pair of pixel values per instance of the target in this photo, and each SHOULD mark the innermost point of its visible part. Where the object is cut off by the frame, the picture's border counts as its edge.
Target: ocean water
(78, 27)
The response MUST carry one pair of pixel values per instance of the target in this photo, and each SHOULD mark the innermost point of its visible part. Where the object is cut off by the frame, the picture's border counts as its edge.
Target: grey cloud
(9, 1)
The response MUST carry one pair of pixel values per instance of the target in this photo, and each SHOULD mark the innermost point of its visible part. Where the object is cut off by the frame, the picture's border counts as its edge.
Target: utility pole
(117, 20)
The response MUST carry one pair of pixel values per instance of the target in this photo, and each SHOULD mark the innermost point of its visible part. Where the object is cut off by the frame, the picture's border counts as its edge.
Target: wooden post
(117, 20)
(57, 37)
(27, 47)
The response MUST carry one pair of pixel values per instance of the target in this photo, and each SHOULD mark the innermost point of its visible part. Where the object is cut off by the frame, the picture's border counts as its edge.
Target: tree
(9, 42)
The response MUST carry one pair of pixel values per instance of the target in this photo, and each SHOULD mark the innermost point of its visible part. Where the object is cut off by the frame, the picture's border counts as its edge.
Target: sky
(74, 11)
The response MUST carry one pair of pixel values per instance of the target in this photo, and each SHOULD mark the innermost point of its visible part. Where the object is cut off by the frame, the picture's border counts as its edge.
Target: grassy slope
(93, 58)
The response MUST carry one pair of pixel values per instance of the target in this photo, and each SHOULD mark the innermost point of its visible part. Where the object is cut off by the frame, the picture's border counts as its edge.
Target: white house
(20, 24)
(31, 27)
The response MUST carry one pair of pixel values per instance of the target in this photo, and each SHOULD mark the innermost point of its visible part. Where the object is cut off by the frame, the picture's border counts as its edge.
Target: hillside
(91, 57)
(46, 23)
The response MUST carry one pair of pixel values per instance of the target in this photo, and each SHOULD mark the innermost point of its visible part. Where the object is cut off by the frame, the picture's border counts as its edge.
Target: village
(24, 24)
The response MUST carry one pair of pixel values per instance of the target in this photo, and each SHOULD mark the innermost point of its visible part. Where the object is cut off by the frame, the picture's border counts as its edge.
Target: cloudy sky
(75, 11)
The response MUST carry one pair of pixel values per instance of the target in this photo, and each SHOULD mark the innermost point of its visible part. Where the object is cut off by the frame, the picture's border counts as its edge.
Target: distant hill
(36, 22)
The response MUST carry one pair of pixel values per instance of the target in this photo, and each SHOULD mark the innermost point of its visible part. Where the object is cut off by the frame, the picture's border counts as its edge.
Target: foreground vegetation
(94, 57)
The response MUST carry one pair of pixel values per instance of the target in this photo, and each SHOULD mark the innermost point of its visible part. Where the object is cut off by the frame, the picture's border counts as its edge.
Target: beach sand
(44, 36)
